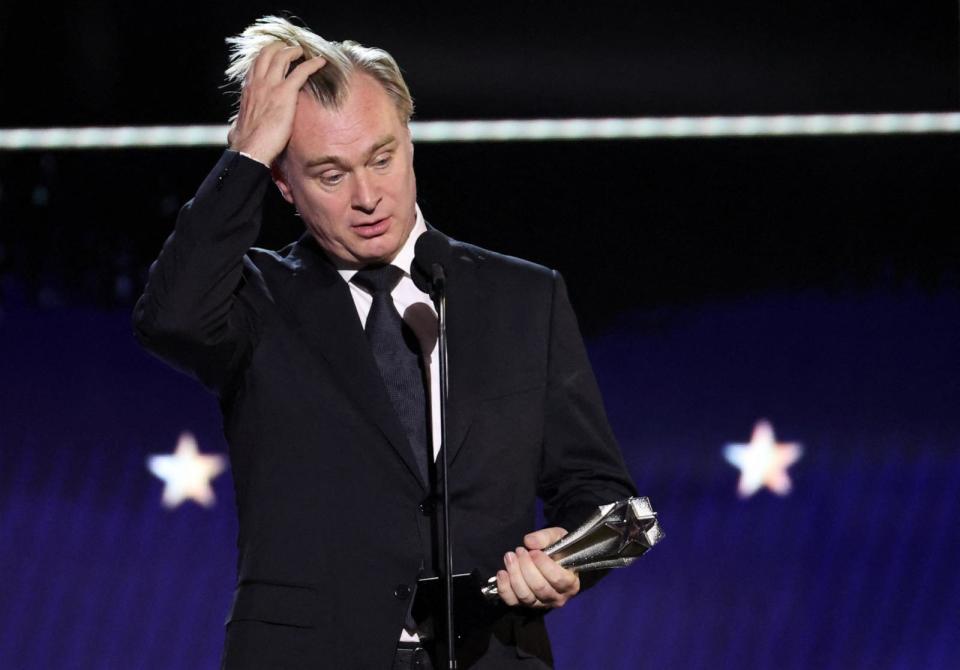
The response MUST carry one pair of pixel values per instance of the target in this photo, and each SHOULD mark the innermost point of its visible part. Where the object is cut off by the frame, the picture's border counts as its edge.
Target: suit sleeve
(582, 466)
(193, 313)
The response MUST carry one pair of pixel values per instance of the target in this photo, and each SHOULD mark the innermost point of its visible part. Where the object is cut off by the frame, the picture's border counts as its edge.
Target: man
(327, 436)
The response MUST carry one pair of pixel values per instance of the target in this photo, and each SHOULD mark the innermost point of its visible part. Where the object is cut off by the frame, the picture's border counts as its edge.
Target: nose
(365, 194)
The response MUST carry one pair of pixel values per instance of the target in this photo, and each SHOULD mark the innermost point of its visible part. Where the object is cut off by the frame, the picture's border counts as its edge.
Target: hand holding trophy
(615, 536)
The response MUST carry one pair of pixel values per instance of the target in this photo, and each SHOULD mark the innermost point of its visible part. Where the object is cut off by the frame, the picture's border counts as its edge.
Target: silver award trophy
(615, 536)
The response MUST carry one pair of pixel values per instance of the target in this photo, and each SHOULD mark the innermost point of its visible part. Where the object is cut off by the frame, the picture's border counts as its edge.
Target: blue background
(856, 568)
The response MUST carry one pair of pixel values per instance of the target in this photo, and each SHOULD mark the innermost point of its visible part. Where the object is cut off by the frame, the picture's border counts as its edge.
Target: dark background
(663, 221)
(161, 62)
(811, 281)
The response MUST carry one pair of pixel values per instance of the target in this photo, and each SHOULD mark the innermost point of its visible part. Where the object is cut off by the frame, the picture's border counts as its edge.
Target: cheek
(327, 210)
(404, 188)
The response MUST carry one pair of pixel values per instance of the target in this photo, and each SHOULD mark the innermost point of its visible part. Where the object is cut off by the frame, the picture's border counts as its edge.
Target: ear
(280, 180)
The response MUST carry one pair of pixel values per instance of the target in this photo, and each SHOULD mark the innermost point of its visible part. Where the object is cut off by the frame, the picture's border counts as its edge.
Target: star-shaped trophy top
(636, 524)
(187, 473)
(763, 461)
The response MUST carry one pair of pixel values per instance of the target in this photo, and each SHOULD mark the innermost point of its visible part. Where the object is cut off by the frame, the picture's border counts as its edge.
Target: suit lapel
(325, 316)
(464, 355)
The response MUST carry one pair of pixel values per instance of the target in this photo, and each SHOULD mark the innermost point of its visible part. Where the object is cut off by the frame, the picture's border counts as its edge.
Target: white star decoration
(763, 461)
(187, 473)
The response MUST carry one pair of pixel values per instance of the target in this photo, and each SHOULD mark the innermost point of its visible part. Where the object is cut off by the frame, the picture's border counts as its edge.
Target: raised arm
(193, 313)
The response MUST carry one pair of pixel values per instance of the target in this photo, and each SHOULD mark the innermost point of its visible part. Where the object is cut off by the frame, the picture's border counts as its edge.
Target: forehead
(366, 115)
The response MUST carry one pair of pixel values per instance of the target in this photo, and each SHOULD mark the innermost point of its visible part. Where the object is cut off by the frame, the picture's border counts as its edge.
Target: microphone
(431, 255)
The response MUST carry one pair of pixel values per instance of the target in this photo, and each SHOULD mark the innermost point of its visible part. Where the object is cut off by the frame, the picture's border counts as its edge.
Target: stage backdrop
(801, 449)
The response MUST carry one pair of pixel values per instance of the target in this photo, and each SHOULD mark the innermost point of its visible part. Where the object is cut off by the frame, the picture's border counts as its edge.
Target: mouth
(372, 228)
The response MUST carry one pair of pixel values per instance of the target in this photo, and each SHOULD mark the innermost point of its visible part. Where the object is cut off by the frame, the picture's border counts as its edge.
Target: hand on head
(268, 101)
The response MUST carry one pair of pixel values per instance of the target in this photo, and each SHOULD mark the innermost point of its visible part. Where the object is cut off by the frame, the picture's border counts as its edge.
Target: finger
(299, 75)
(281, 62)
(262, 62)
(261, 65)
(520, 589)
(564, 582)
(543, 538)
(534, 579)
(505, 590)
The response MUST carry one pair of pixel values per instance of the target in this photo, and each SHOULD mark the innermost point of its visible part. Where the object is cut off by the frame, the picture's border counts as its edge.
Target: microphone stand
(446, 550)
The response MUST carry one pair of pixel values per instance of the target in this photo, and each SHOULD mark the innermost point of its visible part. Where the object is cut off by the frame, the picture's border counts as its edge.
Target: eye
(331, 178)
(382, 161)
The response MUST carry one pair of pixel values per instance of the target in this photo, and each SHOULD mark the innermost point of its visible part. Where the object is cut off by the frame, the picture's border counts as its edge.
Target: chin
(379, 250)
(375, 254)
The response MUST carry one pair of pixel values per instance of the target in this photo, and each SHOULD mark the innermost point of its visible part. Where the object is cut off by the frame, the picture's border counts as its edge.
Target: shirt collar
(404, 257)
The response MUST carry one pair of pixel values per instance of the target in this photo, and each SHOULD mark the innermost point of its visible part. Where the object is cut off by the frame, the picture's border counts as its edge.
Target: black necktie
(397, 351)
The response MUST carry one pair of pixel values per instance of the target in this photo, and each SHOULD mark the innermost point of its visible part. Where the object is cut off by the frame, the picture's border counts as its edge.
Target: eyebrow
(339, 162)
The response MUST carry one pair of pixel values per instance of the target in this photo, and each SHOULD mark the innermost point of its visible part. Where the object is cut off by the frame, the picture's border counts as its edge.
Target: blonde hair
(330, 83)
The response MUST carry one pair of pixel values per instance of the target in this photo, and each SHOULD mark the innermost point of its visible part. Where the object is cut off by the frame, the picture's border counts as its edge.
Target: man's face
(349, 172)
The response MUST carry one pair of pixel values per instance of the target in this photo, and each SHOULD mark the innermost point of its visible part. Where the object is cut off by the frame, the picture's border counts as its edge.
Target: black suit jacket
(334, 525)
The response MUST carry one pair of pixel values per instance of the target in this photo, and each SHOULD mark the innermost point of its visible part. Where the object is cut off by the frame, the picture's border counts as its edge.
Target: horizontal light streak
(517, 130)
(687, 127)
